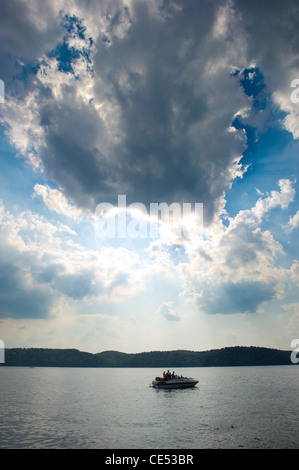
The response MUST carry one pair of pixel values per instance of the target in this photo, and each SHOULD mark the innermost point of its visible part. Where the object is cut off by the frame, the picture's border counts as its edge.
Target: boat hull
(174, 383)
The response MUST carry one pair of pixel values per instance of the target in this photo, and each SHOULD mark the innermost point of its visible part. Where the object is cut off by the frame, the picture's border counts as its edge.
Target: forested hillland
(225, 357)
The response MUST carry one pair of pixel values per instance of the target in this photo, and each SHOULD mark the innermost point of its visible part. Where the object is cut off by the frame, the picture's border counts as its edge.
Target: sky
(186, 103)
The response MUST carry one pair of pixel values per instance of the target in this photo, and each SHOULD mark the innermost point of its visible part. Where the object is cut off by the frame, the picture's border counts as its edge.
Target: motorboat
(174, 382)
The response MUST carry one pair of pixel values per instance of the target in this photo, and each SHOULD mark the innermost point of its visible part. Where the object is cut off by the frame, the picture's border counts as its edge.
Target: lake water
(232, 407)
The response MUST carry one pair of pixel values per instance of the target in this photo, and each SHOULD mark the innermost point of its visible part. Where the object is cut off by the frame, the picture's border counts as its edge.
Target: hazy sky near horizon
(187, 101)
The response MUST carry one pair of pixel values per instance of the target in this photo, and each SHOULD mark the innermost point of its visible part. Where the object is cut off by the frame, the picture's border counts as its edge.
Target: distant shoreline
(225, 357)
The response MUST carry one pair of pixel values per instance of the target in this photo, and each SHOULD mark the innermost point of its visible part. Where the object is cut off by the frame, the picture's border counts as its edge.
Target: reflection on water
(251, 407)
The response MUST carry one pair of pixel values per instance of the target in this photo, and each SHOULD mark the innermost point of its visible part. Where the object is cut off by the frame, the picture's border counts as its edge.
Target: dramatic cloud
(107, 115)
(112, 109)
(160, 101)
(272, 37)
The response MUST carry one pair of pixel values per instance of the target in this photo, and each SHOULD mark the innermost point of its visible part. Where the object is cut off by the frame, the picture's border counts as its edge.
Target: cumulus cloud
(236, 297)
(121, 113)
(274, 23)
(98, 102)
(42, 269)
(280, 199)
(167, 311)
(231, 269)
(110, 109)
(293, 222)
(235, 268)
(21, 298)
(56, 201)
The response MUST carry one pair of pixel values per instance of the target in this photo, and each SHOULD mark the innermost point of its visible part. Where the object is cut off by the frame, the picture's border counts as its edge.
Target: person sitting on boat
(172, 375)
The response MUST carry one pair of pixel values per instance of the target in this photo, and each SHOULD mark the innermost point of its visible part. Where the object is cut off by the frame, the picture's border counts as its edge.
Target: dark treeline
(231, 356)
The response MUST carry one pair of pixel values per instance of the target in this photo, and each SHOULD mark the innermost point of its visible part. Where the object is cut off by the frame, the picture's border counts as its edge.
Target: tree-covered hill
(231, 356)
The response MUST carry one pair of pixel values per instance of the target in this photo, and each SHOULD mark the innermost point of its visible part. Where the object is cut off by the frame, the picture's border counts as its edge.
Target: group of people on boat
(168, 375)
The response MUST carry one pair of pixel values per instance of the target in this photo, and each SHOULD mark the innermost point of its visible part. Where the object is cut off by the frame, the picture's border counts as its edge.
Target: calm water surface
(232, 407)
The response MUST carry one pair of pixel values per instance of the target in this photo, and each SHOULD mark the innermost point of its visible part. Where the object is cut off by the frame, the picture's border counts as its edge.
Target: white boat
(175, 382)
